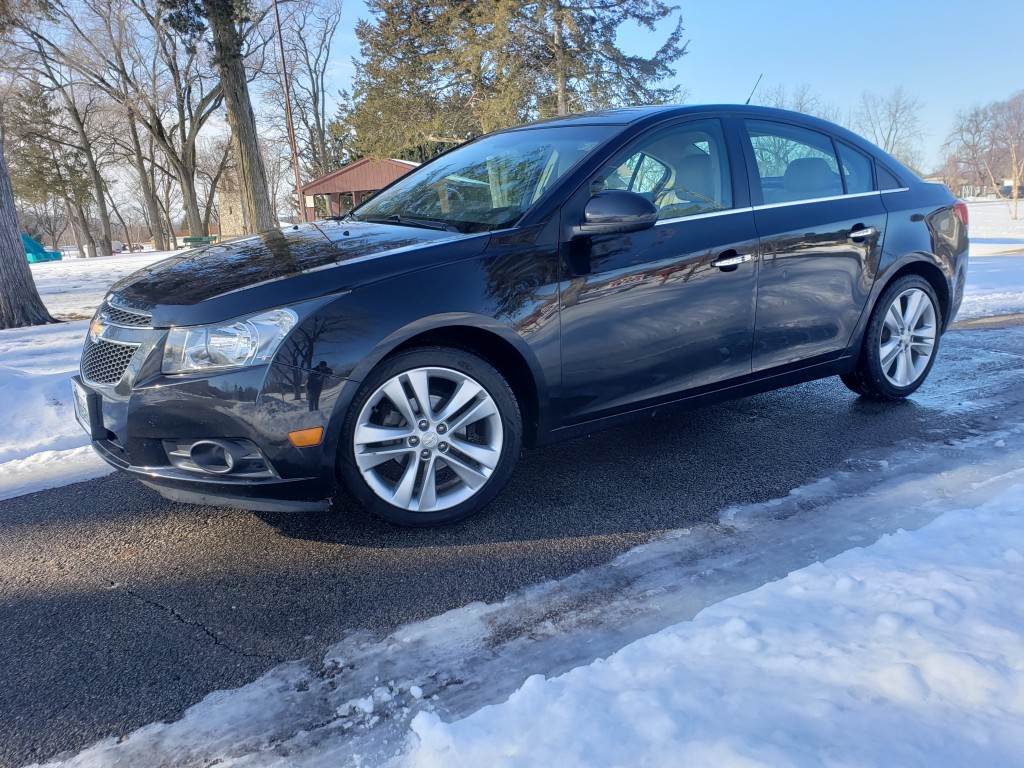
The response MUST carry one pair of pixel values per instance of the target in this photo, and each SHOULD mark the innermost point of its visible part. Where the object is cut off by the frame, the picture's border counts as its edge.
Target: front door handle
(863, 232)
(732, 261)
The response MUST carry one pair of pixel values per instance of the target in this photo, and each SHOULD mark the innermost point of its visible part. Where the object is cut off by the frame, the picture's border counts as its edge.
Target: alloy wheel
(907, 338)
(428, 439)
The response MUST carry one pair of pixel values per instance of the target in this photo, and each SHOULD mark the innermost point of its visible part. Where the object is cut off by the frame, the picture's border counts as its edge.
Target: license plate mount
(87, 410)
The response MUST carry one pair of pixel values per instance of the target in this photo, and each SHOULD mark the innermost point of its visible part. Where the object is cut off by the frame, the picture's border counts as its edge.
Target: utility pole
(288, 113)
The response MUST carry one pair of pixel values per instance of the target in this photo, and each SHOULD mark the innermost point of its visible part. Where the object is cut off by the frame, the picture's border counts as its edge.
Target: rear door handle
(733, 261)
(863, 232)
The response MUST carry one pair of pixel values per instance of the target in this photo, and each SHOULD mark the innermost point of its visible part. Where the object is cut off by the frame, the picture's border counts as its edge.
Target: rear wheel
(900, 342)
(431, 437)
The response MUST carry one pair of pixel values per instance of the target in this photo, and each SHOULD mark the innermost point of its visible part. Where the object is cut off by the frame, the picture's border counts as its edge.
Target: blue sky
(950, 55)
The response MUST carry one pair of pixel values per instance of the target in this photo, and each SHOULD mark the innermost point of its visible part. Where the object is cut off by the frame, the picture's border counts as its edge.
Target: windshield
(487, 184)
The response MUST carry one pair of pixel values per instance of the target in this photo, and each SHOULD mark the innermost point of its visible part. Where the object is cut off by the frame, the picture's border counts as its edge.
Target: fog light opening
(212, 456)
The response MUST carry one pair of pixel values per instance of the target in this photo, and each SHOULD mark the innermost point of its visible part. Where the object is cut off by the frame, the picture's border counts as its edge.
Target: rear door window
(793, 163)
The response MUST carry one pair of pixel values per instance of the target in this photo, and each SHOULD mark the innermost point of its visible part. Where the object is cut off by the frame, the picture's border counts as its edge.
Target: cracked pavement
(119, 608)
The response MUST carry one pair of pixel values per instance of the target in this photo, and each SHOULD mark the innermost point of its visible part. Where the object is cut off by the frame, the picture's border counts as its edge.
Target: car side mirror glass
(615, 211)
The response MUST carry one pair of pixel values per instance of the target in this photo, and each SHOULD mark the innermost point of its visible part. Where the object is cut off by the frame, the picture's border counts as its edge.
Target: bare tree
(893, 122)
(309, 30)
(802, 98)
(971, 157)
(78, 109)
(231, 25)
(124, 49)
(987, 146)
(1007, 131)
(46, 220)
(212, 160)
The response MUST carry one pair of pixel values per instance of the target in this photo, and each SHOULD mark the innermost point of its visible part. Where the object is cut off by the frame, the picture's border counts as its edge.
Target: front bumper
(132, 428)
(270, 495)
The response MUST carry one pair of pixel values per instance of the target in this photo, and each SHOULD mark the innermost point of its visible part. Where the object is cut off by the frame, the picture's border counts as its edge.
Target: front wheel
(900, 342)
(431, 437)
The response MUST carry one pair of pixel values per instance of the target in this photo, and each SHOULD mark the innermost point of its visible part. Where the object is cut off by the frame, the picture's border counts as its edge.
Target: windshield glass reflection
(488, 184)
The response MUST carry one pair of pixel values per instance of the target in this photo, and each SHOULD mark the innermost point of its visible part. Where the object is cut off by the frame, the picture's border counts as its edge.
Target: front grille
(104, 362)
(119, 316)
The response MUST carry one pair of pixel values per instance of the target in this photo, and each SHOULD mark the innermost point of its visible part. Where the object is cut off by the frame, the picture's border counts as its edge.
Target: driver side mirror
(615, 211)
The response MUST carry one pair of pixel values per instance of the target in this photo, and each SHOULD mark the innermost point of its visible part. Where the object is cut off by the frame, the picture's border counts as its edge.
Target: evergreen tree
(436, 72)
(404, 103)
(45, 158)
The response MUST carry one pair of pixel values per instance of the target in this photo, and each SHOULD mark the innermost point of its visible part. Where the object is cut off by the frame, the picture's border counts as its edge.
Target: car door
(821, 225)
(647, 315)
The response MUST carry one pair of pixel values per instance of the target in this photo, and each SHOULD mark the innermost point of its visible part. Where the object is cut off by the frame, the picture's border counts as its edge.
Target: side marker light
(304, 438)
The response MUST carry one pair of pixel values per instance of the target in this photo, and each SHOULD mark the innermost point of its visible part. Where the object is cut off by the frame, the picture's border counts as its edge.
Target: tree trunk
(245, 136)
(185, 172)
(561, 79)
(124, 226)
(90, 242)
(148, 193)
(252, 175)
(192, 214)
(76, 230)
(99, 188)
(20, 304)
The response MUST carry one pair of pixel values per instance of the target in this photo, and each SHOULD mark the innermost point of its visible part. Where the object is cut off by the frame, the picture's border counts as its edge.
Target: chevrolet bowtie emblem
(96, 329)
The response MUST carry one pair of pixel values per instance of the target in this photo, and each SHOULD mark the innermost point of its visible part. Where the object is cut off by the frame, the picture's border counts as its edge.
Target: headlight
(249, 340)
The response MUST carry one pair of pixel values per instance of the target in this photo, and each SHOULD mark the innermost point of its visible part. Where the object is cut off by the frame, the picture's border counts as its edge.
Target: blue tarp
(36, 252)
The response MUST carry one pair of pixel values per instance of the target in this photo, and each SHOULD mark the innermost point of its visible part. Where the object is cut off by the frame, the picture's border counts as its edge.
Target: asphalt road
(118, 608)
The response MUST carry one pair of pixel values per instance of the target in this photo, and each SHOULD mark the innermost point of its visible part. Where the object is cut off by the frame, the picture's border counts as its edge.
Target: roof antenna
(754, 89)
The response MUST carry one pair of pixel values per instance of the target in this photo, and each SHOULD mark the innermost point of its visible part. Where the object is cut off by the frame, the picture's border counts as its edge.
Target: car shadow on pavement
(675, 471)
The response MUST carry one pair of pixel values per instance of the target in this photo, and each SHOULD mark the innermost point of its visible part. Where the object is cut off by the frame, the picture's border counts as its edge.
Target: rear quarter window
(857, 167)
(887, 180)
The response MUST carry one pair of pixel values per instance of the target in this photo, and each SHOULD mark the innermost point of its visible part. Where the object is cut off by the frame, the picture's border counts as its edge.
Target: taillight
(960, 209)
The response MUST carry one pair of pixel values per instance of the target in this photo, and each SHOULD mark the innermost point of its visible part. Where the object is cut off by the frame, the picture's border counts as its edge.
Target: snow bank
(42, 445)
(991, 220)
(909, 652)
(995, 286)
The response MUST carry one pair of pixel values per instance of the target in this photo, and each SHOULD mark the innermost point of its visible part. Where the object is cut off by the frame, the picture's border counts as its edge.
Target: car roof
(628, 115)
(638, 116)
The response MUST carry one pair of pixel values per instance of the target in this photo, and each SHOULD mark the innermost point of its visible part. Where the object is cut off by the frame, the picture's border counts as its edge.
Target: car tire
(900, 342)
(419, 466)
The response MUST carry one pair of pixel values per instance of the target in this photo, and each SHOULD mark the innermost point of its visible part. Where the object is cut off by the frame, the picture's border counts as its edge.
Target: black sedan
(531, 285)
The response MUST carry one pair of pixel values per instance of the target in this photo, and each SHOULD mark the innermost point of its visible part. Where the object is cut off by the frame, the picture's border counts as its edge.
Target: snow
(994, 286)
(869, 618)
(909, 652)
(42, 446)
(990, 224)
(73, 288)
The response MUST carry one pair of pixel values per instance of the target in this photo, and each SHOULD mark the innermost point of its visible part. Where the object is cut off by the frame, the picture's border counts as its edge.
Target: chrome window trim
(763, 206)
(816, 200)
(706, 215)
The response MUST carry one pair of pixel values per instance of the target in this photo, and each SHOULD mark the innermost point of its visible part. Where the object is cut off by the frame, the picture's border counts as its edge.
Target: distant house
(348, 186)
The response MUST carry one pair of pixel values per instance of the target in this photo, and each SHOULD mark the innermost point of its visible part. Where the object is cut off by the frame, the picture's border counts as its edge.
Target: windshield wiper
(406, 221)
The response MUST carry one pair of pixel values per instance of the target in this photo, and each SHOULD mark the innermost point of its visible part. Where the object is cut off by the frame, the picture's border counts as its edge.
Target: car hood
(272, 269)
